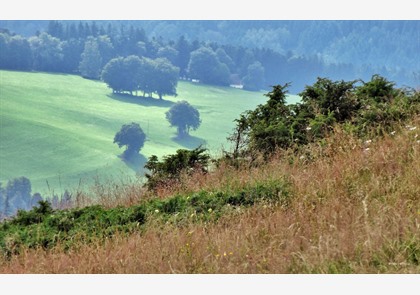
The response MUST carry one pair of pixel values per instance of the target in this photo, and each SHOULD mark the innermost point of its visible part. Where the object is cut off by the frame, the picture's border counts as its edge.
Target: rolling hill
(58, 130)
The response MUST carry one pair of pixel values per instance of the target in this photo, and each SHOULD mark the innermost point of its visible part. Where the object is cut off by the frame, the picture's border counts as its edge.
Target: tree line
(85, 48)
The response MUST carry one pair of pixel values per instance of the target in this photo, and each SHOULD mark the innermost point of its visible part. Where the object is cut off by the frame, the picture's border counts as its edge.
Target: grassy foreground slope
(60, 128)
(338, 207)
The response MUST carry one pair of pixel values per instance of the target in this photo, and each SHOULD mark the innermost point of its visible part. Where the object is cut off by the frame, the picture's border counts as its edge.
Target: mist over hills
(372, 47)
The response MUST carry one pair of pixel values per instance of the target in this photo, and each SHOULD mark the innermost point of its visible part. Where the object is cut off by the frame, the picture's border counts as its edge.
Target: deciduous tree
(183, 116)
(132, 136)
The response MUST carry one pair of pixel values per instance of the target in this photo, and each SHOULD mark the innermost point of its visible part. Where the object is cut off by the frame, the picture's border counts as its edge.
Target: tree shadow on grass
(189, 142)
(135, 162)
(141, 100)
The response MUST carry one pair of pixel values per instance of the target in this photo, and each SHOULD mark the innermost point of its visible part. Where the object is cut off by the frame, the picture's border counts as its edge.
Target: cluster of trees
(86, 47)
(181, 115)
(17, 195)
(365, 108)
(141, 74)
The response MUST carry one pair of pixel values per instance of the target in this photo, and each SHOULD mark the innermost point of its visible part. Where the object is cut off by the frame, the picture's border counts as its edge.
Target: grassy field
(60, 128)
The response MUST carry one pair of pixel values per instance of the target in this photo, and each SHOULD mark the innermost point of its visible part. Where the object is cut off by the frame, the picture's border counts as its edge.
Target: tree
(18, 195)
(112, 74)
(124, 74)
(47, 52)
(169, 53)
(131, 73)
(132, 136)
(267, 127)
(205, 66)
(91, 64)
(183, 57)
(20, 53)
(254, 80)
(72, 51)
(106, 49)
(183, 116)
(166, 77)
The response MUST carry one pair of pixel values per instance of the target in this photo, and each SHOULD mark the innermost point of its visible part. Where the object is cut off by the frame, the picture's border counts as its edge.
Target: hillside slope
(60, 128)
(345, 206)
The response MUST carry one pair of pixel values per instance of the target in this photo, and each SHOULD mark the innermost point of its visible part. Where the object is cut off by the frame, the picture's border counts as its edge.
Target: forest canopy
(239, 51)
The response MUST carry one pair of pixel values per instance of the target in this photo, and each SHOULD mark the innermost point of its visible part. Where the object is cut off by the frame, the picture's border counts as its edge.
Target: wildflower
(210, 210)
(224, 254)
(190, 233)
(368, 141)
(156, 211)
(412, 128)
(308, 128)
(230, 253)
(302, 157)
(367, 149)
(192, 215)
(392, 133)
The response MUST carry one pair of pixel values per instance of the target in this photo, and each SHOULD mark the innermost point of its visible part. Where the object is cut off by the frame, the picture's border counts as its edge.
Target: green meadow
(58, 130)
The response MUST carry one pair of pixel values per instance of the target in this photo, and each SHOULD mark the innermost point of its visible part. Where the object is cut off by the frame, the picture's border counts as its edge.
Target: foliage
(247, 43)
(205, 66)
(166, 77)
(254, 80)
(377, 89)
(91, 62)
(113, 75)
(266, 127)
(132, 136)
(370, 109)
(172, 166)
(47, 52)
(44, 227)
(183, 116)
(326, 96)
(133, 73)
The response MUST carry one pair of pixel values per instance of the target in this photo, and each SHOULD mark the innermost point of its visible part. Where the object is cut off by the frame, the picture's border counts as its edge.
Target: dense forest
(255, 54)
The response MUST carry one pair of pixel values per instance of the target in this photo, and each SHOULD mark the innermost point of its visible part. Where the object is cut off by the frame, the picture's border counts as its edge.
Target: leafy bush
(368, 109)
(170, 169)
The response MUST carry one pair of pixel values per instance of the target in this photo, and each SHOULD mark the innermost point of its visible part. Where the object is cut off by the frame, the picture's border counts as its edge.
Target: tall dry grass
(355, 209)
